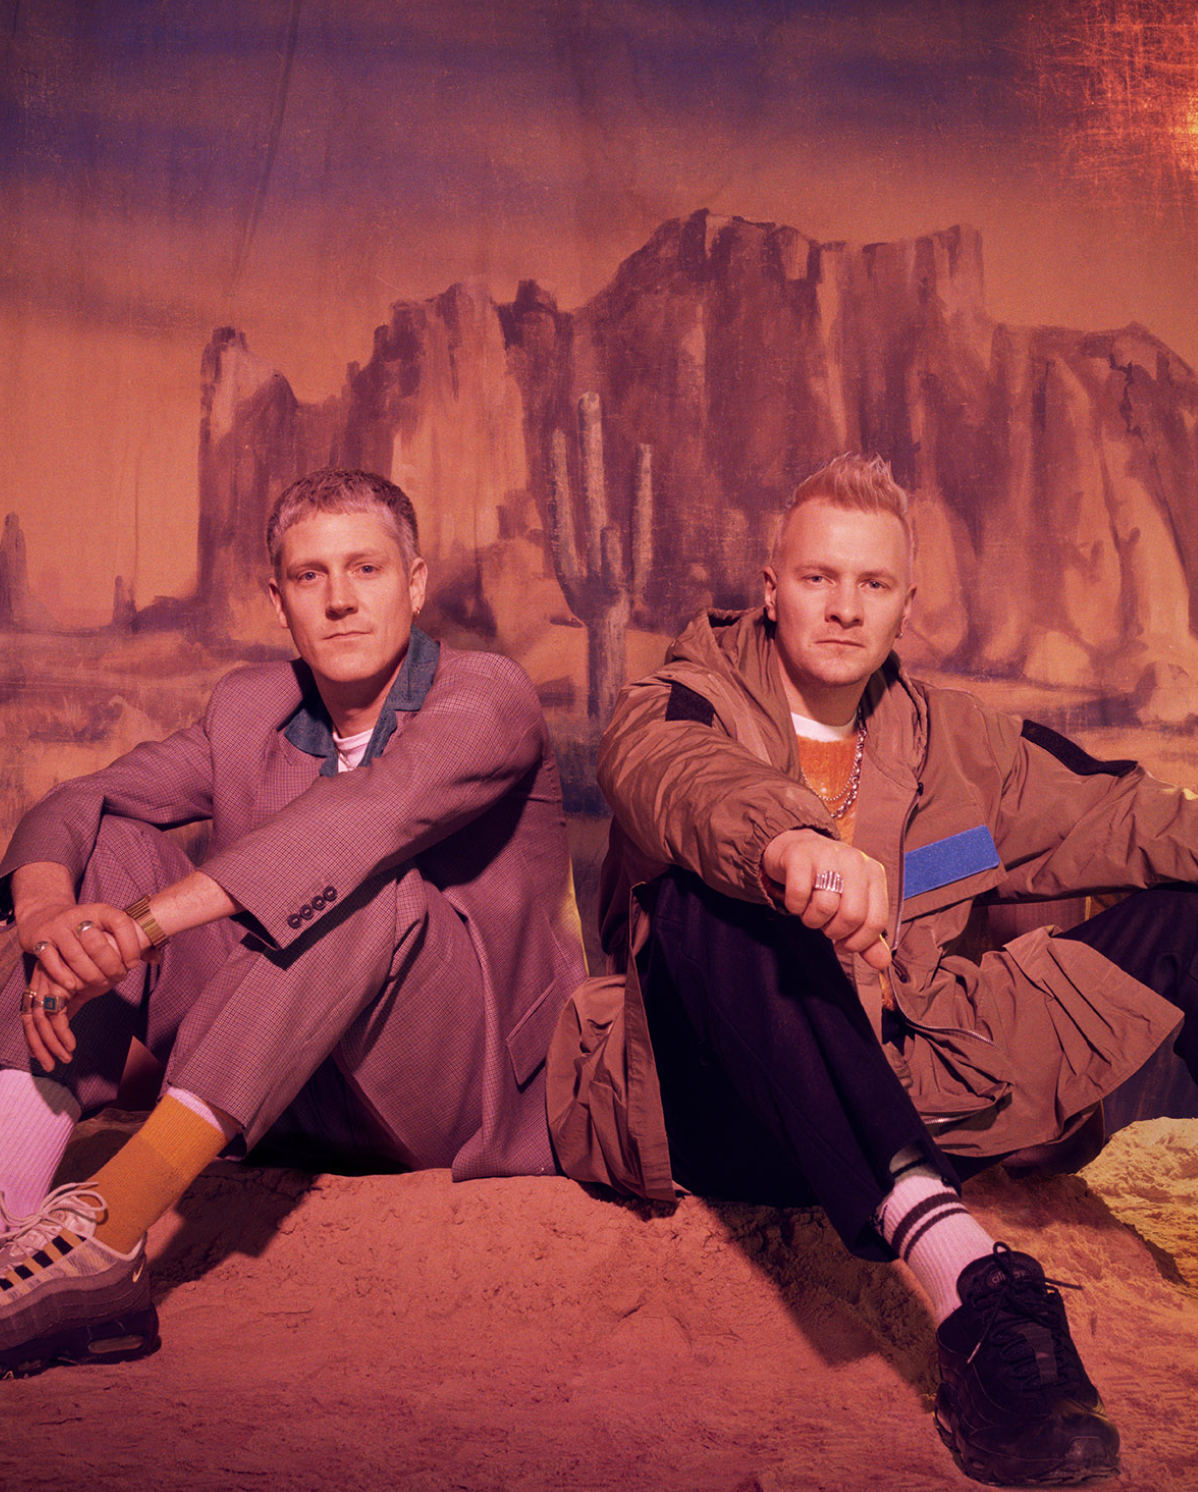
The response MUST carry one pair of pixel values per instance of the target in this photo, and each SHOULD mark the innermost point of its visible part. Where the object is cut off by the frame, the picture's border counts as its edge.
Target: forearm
(688, 794)
(38, 886)
(192, 902)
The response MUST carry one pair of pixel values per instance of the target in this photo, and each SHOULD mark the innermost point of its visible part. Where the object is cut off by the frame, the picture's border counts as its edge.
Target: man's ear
(771, 593)
(276, 596)
(417, 583)
(906, 612)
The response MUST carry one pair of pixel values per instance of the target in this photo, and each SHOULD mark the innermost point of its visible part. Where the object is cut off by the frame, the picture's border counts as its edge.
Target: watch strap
(139, 910)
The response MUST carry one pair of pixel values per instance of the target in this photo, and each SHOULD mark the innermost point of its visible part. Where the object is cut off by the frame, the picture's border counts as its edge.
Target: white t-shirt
(816, 730)
(351, 749)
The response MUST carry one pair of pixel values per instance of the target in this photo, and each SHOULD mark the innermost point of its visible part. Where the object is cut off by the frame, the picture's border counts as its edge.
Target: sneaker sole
(1086, 1460)
(123, 1338)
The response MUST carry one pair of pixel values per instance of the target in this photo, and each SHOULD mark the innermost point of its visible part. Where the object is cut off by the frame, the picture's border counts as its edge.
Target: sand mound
(403, 1332)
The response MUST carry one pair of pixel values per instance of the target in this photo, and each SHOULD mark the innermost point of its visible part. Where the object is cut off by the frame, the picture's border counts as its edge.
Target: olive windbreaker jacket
(701, 768)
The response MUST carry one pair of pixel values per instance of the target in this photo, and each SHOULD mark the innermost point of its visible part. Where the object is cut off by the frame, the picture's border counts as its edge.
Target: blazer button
(330, 893)
(318, 903)
(306, 912)
(294, 921)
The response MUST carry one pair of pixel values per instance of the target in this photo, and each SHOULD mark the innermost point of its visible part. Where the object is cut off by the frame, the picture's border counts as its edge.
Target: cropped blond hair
(863, 483)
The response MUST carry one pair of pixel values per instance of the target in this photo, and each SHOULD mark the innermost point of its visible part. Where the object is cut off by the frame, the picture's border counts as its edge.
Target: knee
(145, 854)
(1161, 910)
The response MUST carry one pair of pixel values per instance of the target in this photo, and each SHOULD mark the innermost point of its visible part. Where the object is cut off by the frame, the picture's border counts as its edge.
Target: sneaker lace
(1025, 1326)
(78, 1207)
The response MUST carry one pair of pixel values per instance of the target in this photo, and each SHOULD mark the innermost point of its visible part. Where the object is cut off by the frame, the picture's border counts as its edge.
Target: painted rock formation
(1051, 469)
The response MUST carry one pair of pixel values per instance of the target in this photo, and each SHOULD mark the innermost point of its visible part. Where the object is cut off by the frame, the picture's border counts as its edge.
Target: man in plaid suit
(372, 957)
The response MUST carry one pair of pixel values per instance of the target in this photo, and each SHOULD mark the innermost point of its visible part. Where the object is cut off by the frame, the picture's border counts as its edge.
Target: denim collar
(311, 730)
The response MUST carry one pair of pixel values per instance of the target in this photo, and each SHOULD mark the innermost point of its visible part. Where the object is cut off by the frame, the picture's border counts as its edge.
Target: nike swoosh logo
(140, 1270)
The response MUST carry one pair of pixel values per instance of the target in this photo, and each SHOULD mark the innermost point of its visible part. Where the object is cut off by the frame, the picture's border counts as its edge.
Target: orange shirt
(827, 767)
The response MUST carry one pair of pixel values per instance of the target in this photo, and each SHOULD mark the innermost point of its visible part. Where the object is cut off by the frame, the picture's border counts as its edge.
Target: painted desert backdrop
(597, 281)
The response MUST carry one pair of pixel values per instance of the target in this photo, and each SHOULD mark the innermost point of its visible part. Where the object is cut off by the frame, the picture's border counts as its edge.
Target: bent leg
(403, 1085)
(1153, 936)
(129, 859)
(774, 1086)
(390, 989)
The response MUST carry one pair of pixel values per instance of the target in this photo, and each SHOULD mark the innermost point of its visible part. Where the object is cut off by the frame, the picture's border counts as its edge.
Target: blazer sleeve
(477, 735)
(688, 793)
(164, 783)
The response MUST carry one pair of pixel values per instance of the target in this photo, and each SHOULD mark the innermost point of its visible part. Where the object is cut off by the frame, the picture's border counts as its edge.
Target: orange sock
(152, 1170)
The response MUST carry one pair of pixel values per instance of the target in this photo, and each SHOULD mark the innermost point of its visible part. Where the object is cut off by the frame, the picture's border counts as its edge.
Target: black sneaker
(1015, 1405)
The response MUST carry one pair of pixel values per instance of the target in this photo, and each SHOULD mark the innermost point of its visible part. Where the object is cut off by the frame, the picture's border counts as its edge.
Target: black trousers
(774, 1086)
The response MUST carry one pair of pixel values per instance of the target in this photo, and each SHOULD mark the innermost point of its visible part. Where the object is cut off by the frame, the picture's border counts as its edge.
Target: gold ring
(27, 995)
(83, 927)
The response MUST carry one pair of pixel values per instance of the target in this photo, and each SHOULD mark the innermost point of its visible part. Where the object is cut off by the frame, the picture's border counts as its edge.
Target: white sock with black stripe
(930, 1229)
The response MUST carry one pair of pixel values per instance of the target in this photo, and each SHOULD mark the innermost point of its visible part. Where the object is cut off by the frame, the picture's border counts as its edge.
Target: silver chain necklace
(847, 796)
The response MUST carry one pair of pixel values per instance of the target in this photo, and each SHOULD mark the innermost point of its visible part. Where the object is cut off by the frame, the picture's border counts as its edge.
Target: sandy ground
(528, 1336)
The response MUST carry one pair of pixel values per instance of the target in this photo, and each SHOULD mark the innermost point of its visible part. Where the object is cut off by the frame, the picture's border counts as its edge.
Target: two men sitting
(799, 834)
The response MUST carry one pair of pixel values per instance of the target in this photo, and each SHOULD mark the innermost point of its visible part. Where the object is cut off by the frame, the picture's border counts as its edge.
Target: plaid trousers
(387, 992)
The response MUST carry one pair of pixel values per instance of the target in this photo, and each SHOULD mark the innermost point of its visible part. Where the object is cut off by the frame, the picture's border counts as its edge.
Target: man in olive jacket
(800, 831)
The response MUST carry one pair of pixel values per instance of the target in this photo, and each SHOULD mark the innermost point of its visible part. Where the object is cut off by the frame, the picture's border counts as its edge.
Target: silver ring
(40, 948)
(829, 880)
(83, 927)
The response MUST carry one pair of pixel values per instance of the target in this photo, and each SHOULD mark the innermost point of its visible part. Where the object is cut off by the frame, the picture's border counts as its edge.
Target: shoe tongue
(62, 1218)
(40, 1233)
(1013, 1267)
(997, 1272)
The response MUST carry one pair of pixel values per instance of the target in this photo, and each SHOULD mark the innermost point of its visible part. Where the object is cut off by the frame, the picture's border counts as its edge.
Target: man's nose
(339, 595)
(844, 605)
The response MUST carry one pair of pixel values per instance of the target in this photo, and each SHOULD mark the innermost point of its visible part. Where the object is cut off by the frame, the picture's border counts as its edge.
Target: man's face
(348, 600)
(839, 591)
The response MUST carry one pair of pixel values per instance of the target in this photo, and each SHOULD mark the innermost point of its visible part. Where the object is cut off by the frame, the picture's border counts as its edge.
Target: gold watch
(139, 910)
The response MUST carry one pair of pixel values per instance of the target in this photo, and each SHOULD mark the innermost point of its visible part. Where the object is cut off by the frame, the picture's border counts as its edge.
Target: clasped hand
(75, 951)
(854, 918)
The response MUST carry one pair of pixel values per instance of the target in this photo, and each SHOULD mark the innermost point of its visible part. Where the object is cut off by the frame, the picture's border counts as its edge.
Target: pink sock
(37, 1118)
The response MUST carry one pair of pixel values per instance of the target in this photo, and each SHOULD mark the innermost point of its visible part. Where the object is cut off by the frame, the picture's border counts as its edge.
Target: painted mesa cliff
(587, 479)
(622, 463)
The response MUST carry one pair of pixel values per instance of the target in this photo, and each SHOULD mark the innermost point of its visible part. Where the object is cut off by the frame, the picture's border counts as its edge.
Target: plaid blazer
(466, 788)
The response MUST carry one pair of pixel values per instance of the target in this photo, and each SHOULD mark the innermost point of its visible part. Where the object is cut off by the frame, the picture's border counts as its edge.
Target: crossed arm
(478, 734)
(689, 794)
(83, 949)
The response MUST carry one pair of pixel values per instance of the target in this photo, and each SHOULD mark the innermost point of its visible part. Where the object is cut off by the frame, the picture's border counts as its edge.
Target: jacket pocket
(528, 1040)
(1101, 1023)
